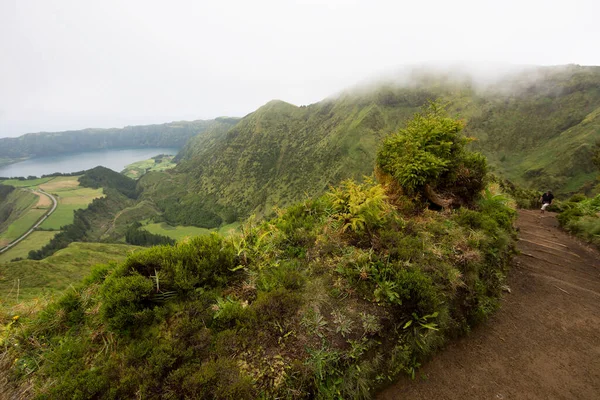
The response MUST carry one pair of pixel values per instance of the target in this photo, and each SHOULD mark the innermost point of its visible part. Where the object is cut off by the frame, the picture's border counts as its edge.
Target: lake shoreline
(66, 163)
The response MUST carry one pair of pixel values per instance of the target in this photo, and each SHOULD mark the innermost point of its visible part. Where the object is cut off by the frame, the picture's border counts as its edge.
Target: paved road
(544, 343)
(34, 227)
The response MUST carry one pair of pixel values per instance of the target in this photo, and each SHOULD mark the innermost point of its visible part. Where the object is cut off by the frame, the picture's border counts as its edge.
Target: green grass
(139, 168)
(229, 228)
(23, 224)
(57, 272)
(26, 183)
(63, 215)
(179, 232)
(175, 232)
(34, 241)
(70, 197)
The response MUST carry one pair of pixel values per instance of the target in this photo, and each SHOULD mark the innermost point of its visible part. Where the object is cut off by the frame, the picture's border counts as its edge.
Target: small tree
(429, 158)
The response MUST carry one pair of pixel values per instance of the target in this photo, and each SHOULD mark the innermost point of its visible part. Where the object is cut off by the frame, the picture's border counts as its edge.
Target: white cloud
(77, 64)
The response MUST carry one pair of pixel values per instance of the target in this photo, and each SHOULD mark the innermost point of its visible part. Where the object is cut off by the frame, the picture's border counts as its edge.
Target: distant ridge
(537, 127)
(173, 134)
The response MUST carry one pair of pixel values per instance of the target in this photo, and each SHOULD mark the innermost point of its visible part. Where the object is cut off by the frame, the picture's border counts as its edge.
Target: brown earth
(44, 201)
(544, 343)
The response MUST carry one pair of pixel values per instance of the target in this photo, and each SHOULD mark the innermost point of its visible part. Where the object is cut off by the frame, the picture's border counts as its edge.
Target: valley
(371, 228)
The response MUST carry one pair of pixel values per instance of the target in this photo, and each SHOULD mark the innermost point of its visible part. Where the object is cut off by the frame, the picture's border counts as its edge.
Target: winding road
(38, 223)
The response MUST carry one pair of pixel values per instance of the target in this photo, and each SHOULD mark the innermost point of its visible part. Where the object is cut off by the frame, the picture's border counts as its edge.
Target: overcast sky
(111, 63)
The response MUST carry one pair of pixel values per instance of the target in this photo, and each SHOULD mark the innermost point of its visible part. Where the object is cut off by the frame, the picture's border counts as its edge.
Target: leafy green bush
(581, 216)
(125, 300)
(430, 153)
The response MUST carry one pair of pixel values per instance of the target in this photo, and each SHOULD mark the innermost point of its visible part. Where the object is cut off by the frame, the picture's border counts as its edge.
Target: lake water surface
(115, 159)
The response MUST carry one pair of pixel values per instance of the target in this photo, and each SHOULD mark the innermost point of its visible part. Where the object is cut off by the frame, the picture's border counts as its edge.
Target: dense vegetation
(581, 216)
(88, 223)
(101, 177)
(174, 134)
(97, 221)
(332, 298)
(141, 237)
(537, 128)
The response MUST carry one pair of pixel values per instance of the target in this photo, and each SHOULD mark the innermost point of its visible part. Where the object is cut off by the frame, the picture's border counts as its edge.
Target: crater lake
(115, 159)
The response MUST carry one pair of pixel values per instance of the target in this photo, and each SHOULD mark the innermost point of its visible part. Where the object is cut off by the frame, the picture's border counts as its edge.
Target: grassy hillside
(57, 272)
(537, 128)
(159, 163)
(331, 299)
(18, 213)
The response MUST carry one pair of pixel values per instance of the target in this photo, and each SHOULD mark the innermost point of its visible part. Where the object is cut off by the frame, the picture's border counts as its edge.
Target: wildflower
(16, 317)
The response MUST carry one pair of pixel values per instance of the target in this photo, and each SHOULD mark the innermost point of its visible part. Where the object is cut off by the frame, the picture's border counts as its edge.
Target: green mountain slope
(14, 204)
(54, 274)
(333, 298)
(536, 127)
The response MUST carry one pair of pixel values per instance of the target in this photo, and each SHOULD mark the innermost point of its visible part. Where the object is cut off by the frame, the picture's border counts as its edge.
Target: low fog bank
(502, 79)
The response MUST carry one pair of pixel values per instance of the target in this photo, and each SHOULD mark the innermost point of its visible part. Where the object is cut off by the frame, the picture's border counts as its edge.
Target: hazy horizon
(72, 66)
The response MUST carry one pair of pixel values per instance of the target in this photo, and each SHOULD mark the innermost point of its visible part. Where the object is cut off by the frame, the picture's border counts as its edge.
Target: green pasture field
(54, 274)
(70, 197)
(179, 232)
(137, 169)
(26, 183)
(35, 241)
(175, 232)
(23, 224)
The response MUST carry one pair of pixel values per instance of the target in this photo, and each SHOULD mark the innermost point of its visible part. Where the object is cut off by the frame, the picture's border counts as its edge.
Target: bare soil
(44, 201)
(544, 343)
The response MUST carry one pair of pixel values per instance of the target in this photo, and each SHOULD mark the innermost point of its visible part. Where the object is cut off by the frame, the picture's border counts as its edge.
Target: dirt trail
(544, 343)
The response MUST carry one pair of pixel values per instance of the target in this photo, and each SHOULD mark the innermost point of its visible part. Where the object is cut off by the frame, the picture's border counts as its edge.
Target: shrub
(218, 379)
(124, 299)
(203, 261)
(430, 155)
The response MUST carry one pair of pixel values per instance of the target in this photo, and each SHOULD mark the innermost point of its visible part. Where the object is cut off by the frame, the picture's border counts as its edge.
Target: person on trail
(546, 200)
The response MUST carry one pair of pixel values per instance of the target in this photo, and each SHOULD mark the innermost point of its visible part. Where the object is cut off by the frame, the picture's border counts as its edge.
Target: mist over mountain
(536, 125)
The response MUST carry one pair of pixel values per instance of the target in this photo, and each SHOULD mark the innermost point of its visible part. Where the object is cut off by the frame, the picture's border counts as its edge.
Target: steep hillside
(16, 204)
(333, 298)
(174, 134)
(56, 273)
(537, 127)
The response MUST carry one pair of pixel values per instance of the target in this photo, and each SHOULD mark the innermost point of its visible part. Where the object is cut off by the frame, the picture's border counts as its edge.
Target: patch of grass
(23, 224)
(175, 232)
(55, 273)
(139, 168)
(70, 197)
(230, 229)
(26, 183)
(179, 232)
(34, 241)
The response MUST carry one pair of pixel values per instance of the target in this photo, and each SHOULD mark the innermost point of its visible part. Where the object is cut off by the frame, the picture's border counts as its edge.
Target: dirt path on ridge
(544, 343)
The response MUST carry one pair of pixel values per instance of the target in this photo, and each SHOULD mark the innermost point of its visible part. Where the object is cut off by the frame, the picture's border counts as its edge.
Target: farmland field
(175, 232)
(70, 197)
(34, 241)
(180, 232)
(23, 224)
